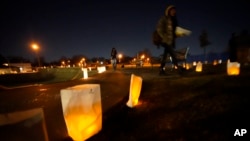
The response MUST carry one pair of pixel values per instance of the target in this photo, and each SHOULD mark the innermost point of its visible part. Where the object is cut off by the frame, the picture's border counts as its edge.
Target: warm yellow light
(89, 68)
(183, 65)
(120, 56)
(101, 69)
(198, 67)
(215, 62)
(85, 73)
(233, 68)
(82, 126)
(82, 110)
(35, 46)
(143, 56)
(135, 90)
(187, 66)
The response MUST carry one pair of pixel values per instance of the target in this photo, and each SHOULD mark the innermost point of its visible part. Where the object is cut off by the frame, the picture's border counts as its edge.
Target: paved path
(114, 87)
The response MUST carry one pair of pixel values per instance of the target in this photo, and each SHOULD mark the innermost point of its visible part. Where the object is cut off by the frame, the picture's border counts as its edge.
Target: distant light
(101, 69)
(198, 67)
(5, 64)
(215, 62)
(134, 90)
(85, 73)
(35, 46)
(233, 68)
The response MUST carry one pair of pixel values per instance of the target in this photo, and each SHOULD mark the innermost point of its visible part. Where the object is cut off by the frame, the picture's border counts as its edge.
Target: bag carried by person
(156, 39)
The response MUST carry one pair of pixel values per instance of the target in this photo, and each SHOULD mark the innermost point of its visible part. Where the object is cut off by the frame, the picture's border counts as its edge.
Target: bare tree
(204, 42)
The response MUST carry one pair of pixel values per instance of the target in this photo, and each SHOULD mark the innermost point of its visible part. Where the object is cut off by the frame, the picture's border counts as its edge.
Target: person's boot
(162, 72)
(181, 70)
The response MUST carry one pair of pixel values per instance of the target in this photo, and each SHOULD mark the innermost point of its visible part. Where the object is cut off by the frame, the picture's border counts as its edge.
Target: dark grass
(202, 107)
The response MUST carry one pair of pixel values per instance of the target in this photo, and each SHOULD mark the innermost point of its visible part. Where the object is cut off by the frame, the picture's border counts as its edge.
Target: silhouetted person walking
(113, 58)
(166, 28)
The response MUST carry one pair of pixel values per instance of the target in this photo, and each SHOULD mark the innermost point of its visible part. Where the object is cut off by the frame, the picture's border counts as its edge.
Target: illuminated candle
(135, 90)
(82, 110)
(198, 67)
(85, 73)
(233, 68)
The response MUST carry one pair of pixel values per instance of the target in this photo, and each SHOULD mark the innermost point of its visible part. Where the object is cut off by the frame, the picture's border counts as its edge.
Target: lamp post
(35, 47)
(120, 57)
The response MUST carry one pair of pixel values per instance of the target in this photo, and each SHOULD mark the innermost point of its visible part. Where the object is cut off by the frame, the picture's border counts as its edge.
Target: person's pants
(168, 49)
(113, 62)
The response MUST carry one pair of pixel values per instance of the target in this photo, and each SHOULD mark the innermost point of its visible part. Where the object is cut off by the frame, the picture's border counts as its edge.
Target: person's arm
(160, 27)
(164, 28)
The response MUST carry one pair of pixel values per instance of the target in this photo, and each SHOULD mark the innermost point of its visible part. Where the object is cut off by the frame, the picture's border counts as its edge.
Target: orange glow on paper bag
(198, 67)
(82, 110)
(194, 63)
(233, 68)
(215, 62)
(186, 66)
(85, 73)
(80, 125)
(101, 69)
(135, 90)
(89, 68)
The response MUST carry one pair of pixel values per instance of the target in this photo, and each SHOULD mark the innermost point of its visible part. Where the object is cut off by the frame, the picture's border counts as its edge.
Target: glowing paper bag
(233, 68)
(85, 73)
(101, 69)
(135, 90)
(28, 125)
(198, 67)
(180, 31)
(82, 110)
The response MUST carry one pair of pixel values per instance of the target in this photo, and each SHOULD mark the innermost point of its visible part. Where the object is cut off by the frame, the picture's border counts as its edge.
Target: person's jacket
(113, 54)
(166, 29)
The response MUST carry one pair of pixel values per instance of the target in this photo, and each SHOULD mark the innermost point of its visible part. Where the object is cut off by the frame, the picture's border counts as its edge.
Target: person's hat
(168, 9)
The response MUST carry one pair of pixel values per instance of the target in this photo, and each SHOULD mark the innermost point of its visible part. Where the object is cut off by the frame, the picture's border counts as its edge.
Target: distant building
(16, 68)
(24, 67)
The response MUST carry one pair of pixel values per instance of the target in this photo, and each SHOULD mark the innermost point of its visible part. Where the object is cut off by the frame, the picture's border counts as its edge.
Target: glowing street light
(120, 57)
(35, 47)
(63, 64)
(143, 56)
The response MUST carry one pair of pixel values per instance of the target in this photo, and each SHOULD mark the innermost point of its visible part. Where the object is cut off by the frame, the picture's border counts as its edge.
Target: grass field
(205, 106)
(43, 76)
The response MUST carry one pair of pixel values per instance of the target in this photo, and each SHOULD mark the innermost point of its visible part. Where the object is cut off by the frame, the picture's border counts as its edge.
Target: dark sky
(93, 27)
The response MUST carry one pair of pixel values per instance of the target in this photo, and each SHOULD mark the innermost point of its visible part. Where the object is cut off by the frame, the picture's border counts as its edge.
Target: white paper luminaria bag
(82, 110)
(134, 91)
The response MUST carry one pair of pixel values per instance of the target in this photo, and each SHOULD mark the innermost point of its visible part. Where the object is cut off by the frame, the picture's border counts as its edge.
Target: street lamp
(143, 56)
(120, 57)
(35, 47)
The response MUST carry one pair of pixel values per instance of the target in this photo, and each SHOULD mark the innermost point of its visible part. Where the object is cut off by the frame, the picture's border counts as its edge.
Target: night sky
(93, 27)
